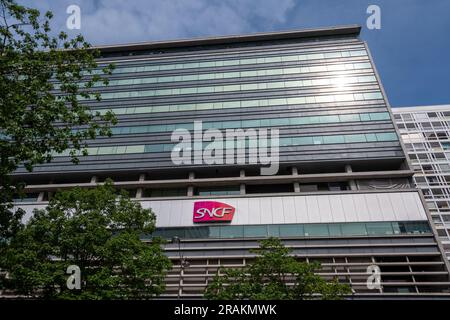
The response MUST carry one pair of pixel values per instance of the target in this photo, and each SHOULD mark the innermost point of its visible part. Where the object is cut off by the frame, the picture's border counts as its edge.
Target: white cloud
(118, 21)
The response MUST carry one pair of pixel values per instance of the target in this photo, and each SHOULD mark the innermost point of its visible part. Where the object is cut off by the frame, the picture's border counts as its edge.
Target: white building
(425, 132)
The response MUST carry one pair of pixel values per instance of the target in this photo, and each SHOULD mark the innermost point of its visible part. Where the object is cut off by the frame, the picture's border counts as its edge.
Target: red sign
(212, 211)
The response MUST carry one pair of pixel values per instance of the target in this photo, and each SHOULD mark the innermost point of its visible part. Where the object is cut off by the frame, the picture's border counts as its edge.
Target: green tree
(43, 80)
(96, 231)
(274, 275)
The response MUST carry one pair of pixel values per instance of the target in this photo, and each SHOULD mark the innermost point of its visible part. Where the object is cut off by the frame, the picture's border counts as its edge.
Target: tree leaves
(95, 231)
(36, 120)
(274, 275)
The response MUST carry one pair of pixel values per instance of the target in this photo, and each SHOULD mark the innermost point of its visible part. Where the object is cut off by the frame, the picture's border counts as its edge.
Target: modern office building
(342, 194)
(425, 132)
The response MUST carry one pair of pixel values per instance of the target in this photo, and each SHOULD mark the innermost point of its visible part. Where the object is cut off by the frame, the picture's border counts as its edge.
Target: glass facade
(283, 142)
(217, 191)
(216, 105)
(274, 122)
(235, 87)
(296, 71)
(279, 57)
(296, 230)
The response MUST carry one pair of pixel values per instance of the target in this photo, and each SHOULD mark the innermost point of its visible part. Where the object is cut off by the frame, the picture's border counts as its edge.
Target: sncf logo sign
(212, 211)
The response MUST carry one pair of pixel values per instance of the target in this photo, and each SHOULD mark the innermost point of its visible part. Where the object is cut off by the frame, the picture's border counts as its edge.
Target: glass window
(414, 227)
(206, 76)
(333, 139)
(324, 99)
(197, 233)
(232, 232)
(317, 140)
(329, 119)
(332, 55)
(251, 123)
(372, 95)
(335, 230)
(165, 192)
(379, 116)
(135, 149)
(248, 61)
(316, 56)
(314, 230)
(231, 75)
(357, 53)
(249, 73)
(349, 117)
(154, 148)
(296, 230)
(299, 100)
(273, 230)
(291, 230)
(255, 231)
(371, 137)
(273, 59)
(189, 77)
(353, 138)
(289, 58)
(318, 68)
(291, 70)
(231, 62)
(188, 90)
(249, 86)
(344, 97)
(231, 88)
(172, 232)
(205, 89)
(207, 64)
(353, 229)
(388, 136)
(279, 122)
(214, 232)
(105, 150)
(226, 190)
(302, 140)
(379, 228)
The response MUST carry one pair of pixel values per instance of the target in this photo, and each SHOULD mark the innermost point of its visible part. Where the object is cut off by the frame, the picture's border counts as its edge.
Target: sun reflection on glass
(340, 82)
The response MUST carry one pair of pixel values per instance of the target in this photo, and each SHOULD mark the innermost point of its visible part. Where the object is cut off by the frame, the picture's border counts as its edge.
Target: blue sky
(411, 51)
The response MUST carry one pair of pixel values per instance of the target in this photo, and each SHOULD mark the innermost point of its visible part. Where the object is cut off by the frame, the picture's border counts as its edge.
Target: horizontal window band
(269, 122)
(293, 71)
(283, 142)
(295, 230)
(234, 53)
(339, 82)
(238, 62)
(243, 103)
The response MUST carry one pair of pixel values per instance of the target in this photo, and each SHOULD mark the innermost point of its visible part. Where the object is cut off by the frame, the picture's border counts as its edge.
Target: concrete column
(296, 184)
(94, 179)
(40, 197)
(242, 188)
(190, 190)
(242, 173)
(352, 183)
(140, 191)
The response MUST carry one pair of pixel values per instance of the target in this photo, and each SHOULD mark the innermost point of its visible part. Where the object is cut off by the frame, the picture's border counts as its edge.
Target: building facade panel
(352, 207)
(425, 132)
